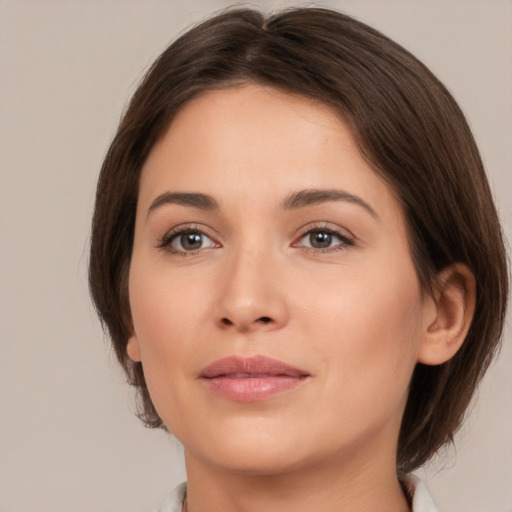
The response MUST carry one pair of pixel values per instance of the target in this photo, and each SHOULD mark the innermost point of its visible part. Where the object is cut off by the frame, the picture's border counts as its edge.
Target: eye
(324, 239)
(187, 240)
(319, 239)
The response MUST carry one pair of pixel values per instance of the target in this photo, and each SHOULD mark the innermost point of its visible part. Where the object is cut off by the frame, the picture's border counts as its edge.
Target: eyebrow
(311, 197)
(294, 201)
(195, 199)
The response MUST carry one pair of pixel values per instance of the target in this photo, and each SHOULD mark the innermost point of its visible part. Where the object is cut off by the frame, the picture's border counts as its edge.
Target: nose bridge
(251, 296)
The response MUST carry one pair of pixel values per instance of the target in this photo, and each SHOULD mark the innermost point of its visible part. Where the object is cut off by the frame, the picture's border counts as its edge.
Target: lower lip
(252, 389)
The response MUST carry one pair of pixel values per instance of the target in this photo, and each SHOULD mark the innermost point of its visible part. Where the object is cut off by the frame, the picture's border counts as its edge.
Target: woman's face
(262, 236)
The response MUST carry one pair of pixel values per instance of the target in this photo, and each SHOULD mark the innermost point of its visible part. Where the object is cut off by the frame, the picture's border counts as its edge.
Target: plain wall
(69, 441)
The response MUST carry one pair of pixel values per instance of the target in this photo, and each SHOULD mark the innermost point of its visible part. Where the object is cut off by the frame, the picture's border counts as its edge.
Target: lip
(250, 379)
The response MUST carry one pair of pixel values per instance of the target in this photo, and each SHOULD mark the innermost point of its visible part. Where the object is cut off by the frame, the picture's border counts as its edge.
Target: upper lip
(254, 366)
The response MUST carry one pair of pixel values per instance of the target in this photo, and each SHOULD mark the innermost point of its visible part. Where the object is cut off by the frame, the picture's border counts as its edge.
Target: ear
(453, 308)
(132, 347)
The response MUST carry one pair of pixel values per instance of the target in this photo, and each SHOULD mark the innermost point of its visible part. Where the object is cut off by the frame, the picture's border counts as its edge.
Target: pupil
(191, 241)
(321, 239)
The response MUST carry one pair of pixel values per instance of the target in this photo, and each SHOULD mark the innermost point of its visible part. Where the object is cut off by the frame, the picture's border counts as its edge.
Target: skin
(352, 315)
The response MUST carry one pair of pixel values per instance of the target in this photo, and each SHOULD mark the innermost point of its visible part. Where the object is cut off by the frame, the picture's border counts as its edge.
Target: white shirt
(421, 500)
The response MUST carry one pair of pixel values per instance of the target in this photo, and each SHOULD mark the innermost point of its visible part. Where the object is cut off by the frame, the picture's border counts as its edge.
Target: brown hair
(408, 127)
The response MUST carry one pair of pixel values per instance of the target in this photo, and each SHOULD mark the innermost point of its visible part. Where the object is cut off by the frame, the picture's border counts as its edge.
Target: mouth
(249, 379)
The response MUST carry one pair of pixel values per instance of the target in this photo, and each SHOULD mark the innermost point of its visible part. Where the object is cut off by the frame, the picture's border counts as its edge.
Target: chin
(248, 451)
(256, 460)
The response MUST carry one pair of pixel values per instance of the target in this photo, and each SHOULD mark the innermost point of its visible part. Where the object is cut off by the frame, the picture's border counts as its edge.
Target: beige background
(69, 440)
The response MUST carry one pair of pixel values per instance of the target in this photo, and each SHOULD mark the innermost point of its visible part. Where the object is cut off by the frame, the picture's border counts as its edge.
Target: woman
(297, 257)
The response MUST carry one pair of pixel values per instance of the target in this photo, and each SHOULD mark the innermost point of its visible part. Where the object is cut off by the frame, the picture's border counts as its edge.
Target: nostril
(262, 320)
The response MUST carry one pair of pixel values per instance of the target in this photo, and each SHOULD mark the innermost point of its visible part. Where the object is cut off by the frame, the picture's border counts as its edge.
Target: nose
(251, 295)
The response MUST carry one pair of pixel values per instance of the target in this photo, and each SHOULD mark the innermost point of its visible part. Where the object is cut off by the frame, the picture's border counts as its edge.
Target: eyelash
(346, 240)
(165, 243)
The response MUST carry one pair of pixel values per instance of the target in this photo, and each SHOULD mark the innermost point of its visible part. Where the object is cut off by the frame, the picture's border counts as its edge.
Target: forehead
(256, 142)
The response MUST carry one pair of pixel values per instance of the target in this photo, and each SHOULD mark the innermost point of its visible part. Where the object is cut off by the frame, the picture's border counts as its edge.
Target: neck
(332, 487)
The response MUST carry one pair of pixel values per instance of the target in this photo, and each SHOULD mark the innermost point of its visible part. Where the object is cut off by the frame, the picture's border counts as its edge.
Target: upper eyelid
(189, 226)
(326, 226)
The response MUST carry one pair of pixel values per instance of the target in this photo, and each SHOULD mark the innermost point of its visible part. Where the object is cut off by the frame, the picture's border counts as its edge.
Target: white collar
(421, 499)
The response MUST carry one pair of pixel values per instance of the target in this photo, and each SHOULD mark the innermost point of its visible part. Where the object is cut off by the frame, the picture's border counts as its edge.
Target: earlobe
(133, 349)
(454, 305)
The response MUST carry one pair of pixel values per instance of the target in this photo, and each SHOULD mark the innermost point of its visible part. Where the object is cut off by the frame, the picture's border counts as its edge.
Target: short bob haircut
(407, 127)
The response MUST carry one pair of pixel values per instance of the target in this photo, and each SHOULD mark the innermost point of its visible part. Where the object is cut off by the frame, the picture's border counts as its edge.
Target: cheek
(166, 316)
(164, 319)
(369, 326)
(163, 308)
